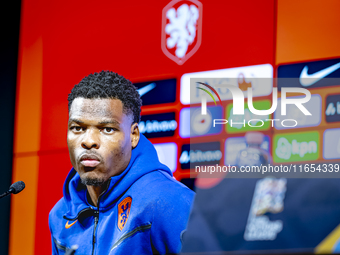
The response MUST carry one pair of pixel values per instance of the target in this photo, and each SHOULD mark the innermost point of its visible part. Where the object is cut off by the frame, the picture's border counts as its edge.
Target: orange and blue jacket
(144, 210)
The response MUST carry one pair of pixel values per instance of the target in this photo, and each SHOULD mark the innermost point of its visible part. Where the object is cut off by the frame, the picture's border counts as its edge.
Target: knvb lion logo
(181, 29)
(124, 211)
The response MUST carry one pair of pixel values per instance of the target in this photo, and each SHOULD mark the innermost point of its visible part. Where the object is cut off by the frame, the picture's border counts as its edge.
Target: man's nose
(90, 140)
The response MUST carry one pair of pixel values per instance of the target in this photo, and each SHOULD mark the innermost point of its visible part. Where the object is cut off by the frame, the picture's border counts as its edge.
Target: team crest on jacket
(124, 211)
(181, 29)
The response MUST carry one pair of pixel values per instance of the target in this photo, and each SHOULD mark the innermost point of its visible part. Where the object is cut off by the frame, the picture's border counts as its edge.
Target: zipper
(96, 219)
(129, 234)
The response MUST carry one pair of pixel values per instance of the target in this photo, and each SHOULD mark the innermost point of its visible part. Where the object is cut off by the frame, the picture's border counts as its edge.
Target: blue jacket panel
(143, 211)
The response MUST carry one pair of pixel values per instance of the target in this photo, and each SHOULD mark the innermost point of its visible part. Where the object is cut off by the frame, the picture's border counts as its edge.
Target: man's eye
(76, 128)
(108, 130)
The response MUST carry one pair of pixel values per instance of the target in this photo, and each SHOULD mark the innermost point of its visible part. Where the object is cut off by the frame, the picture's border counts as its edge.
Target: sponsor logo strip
(157, 92)
(331, 144)
(234, 145)
(293, 112)
(310, 74)
(194, 124)
(332, 111)
(200, 154)
(294, 147)
(167, 154)
(158, 125)
(242, 77)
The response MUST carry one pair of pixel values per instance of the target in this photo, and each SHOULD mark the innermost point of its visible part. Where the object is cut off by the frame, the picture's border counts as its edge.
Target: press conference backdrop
(63, 41)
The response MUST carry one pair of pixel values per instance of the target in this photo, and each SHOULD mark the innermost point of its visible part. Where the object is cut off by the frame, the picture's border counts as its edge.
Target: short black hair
(107, 84)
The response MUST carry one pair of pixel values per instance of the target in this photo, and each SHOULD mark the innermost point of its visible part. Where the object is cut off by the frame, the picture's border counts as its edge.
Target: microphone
(15, 188)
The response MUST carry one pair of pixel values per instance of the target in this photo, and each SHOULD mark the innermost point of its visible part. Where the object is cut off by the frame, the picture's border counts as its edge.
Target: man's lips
(89, 160)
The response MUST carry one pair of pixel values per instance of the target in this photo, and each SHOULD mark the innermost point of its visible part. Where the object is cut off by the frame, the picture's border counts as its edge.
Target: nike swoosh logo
(307, 80)
(146, 89)
(67, 225)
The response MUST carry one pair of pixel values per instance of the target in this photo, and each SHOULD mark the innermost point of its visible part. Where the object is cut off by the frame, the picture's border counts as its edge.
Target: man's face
(100, 138)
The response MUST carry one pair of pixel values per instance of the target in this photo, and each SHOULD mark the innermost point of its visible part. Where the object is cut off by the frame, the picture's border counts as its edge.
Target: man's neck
(94, 193)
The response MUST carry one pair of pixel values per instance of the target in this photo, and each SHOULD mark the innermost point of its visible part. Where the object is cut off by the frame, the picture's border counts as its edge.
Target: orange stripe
(28, 107)
(27, 139)
(23, 207)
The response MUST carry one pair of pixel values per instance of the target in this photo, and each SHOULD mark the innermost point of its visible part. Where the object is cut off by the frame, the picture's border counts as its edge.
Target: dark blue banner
(158, 125)
(310, 74)
(157, 92)
(333, 108)
(200, 154)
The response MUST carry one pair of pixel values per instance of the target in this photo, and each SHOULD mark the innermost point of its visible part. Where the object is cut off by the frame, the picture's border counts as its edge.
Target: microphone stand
(5, 194)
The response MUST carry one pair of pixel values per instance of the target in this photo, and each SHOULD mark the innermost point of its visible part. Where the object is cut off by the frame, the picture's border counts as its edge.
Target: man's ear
(134, 135)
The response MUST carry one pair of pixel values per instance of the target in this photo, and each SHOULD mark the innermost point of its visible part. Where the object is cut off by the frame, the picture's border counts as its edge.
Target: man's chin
(92, 181)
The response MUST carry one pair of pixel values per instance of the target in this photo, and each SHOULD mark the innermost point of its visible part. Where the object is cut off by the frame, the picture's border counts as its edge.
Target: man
(118, 198)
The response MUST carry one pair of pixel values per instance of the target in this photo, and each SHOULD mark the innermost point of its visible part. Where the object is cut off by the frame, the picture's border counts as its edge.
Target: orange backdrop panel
(307, 29)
